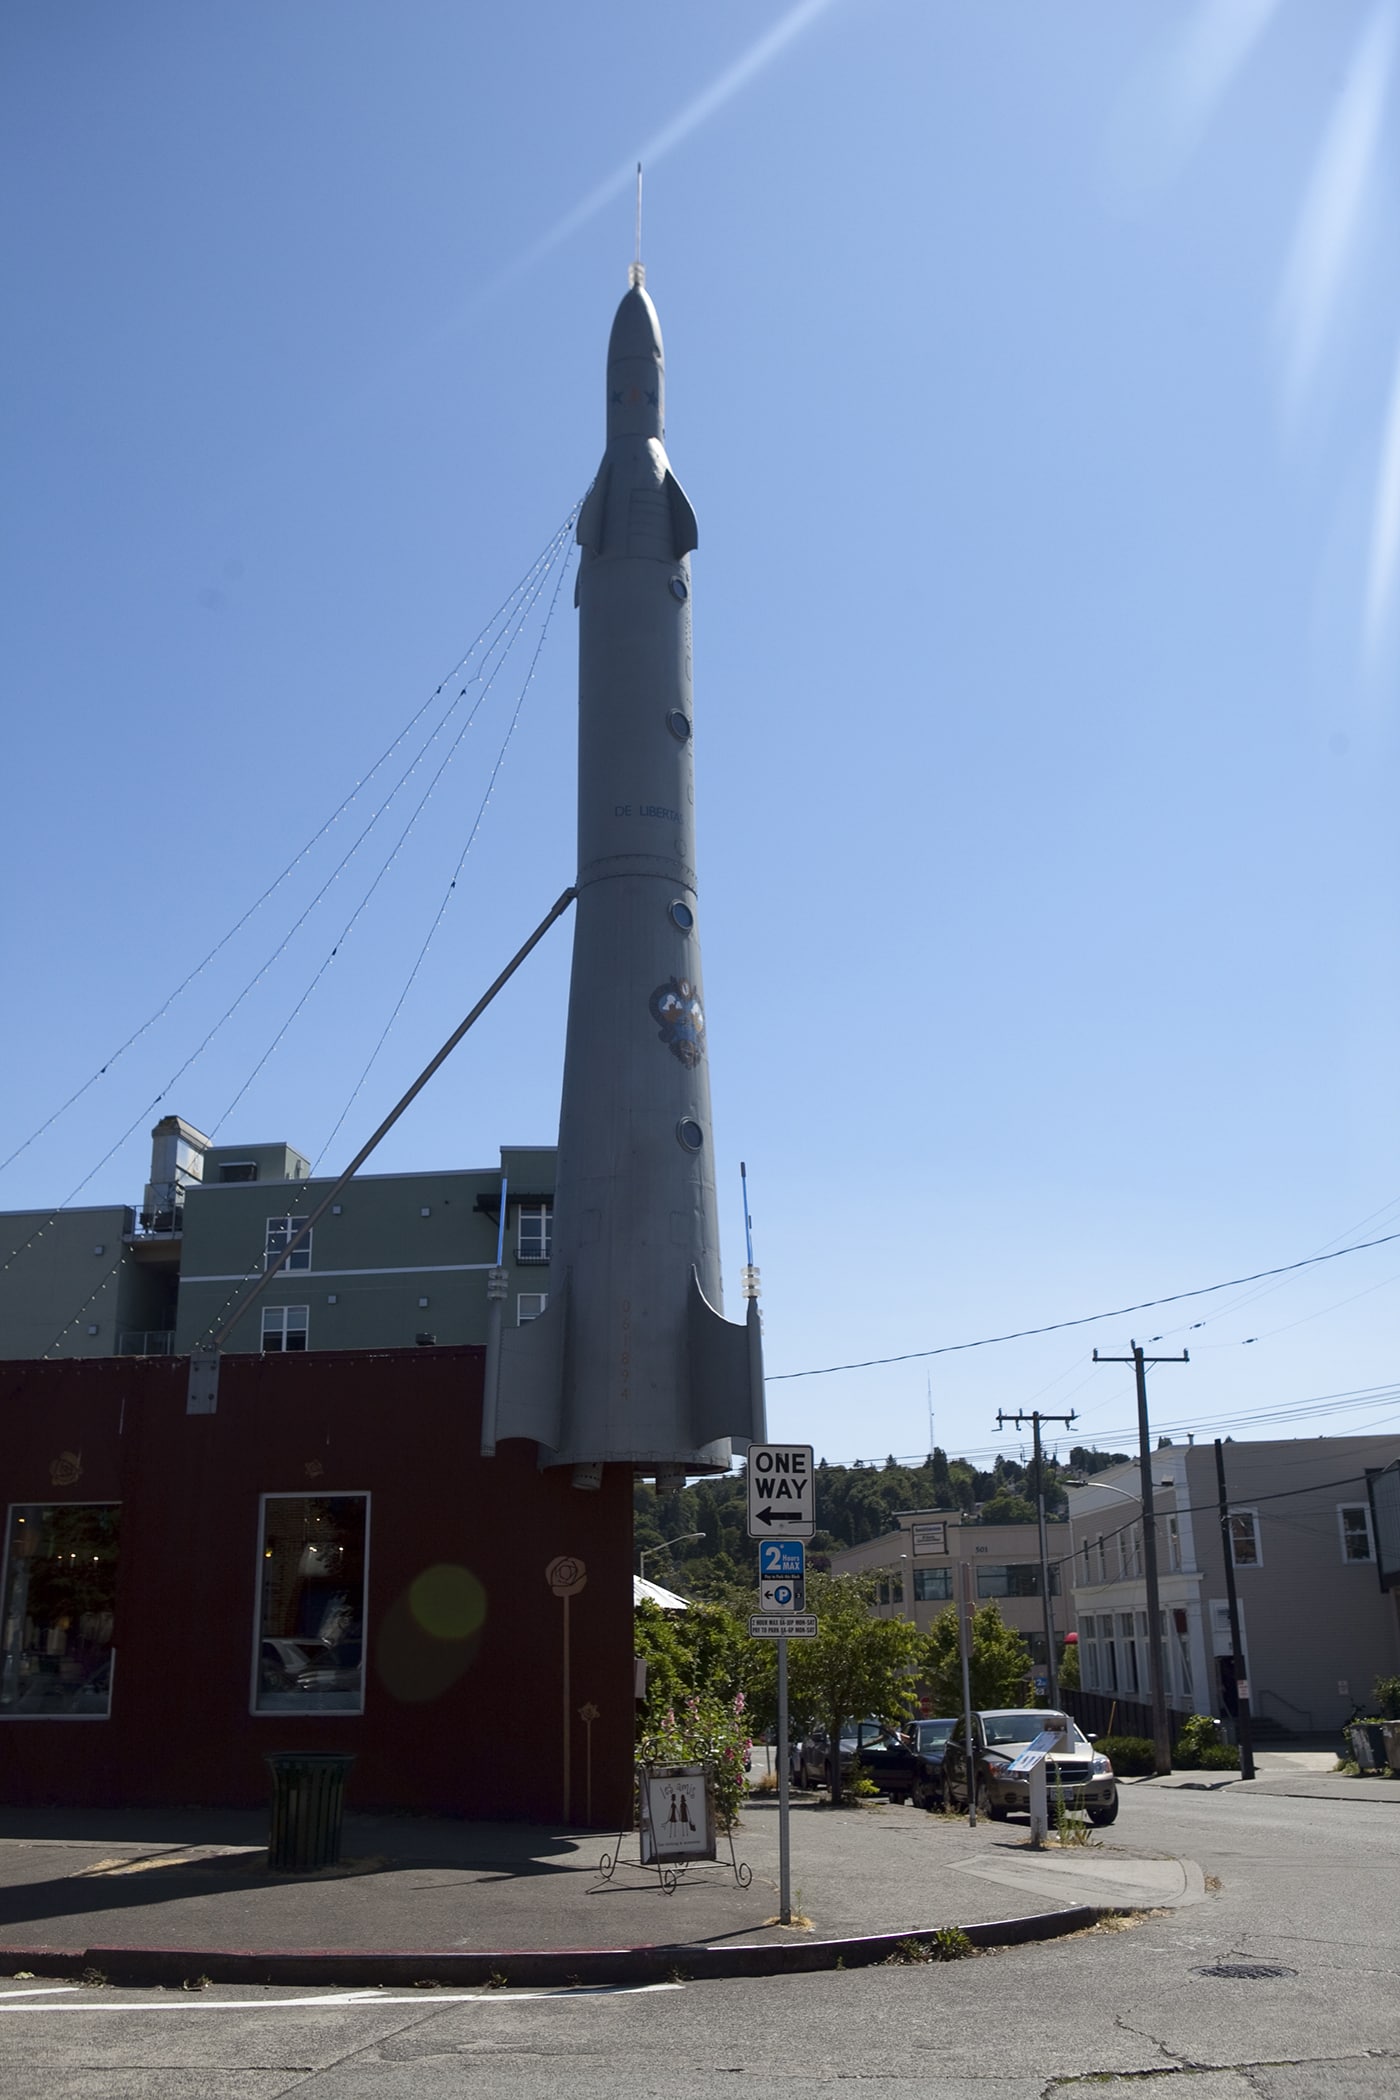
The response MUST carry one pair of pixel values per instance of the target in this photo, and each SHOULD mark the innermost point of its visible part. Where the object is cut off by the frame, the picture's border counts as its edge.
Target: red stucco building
(323, 1563)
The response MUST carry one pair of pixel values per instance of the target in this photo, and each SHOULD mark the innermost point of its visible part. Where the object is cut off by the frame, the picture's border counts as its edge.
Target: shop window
(1244, 1539)
(58, 1610)
(311, 1604)
(285, 1327)
(280, 1232)
(1355, 1522)
(933, 1585)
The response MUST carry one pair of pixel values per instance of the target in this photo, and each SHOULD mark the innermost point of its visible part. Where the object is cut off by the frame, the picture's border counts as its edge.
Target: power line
(549, 555)
(1117, 1312)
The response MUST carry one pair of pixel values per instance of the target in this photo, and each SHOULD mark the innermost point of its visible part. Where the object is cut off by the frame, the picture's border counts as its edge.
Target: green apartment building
(398, 1260)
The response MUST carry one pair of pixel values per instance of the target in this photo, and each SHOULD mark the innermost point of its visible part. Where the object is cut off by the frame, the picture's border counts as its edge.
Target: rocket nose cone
(636, 371)
(636, 332)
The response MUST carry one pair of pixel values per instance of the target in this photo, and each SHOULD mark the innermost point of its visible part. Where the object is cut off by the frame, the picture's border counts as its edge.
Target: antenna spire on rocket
(636, 275)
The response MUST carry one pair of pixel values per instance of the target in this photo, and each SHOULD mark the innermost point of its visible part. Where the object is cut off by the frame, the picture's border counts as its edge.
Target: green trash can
(308, 1806)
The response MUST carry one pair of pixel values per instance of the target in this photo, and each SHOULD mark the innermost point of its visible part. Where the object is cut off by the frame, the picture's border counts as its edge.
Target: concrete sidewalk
(169, 1897)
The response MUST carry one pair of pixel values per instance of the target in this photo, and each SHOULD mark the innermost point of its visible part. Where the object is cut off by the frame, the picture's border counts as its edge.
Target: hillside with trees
(854, 1503)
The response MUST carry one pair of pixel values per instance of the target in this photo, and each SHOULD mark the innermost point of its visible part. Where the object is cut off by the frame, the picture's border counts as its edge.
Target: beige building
(917, 1568)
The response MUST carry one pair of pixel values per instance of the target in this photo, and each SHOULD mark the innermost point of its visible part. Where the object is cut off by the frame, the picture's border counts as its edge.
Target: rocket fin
(589, 530)
(532, 1374)
(721, 1373)
(685, 534)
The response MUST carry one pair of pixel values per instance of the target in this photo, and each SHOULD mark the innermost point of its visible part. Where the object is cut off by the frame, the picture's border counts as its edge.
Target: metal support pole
(784, 1845)
(1243, 1718)
(246, 1302)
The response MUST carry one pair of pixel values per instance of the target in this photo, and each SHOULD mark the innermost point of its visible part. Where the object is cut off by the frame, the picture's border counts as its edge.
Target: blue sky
(1035, 375)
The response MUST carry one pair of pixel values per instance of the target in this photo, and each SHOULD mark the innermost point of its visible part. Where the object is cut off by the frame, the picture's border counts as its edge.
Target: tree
(1007, 1508)
(998, 1667)
(857, 1664)
(702, 1652)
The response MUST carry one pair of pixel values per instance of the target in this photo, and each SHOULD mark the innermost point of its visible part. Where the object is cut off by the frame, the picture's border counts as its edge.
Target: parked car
(886, 1757)
(930, 1749)
(999, 1735)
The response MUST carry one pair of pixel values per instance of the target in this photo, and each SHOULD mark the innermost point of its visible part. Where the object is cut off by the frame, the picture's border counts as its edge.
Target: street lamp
(682, 1539)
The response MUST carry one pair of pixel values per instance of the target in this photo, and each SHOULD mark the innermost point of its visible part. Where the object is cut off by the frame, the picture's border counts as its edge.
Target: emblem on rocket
(632, 1361)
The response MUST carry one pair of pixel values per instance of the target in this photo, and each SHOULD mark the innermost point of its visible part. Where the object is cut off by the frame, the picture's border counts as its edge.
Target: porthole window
(678, 588)
(681, 914)
(692, 1137)
(678, 722)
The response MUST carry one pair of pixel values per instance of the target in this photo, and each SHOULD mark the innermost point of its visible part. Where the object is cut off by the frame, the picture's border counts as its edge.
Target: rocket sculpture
(632, 1360)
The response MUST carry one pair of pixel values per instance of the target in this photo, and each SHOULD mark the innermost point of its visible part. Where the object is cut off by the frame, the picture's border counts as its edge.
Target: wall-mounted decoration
(680, 1019)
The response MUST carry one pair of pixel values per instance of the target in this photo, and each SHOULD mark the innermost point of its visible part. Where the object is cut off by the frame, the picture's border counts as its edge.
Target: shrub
(705, 1730)
(1385, 1699)
(1132, 1756)
(1199, 1748)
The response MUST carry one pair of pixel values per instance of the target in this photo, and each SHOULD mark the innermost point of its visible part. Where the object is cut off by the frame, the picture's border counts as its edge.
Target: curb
(153, 1967)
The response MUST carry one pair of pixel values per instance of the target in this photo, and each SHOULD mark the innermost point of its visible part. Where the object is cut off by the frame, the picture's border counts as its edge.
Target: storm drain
(1246, 1971)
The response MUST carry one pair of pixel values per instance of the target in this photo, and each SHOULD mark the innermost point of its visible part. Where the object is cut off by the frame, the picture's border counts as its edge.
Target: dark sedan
(930, 1748)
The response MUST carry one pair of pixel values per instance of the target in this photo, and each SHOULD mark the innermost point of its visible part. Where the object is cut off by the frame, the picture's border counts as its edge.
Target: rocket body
(632, 1360)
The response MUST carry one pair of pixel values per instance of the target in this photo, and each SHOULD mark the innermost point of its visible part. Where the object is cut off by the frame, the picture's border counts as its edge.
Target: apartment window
(1173, 1545)
(239, 1170)
(1020, 1579)
(1110, 1652)
(534, 1232)
(933, 1585)
(1089, 1653)
(312, 1553)
(1128, 1639)
(1183, 1649)
(1244, 1538)
(1354, 1520)
(58, 1610)
(1103, 1563)
(1088, 1571)
(284, 1327)
(280, 1231)
(529, 1305)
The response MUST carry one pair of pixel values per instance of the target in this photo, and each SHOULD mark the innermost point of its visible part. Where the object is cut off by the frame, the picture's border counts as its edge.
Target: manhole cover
(1248, 1971)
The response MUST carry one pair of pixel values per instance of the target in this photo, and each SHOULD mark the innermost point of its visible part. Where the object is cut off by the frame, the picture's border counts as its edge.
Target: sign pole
(784, 1845)
(964, 1636)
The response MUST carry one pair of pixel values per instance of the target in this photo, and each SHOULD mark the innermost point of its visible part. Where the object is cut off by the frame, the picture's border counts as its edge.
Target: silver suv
(1081, 1774)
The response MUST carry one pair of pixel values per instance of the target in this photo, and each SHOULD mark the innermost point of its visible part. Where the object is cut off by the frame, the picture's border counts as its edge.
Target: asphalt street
(1307, 1889)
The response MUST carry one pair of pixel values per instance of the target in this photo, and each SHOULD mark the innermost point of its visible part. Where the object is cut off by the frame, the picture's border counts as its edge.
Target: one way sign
(782, 1494)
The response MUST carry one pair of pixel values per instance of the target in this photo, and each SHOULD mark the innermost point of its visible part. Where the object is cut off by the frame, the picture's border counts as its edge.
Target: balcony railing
(146, 1341)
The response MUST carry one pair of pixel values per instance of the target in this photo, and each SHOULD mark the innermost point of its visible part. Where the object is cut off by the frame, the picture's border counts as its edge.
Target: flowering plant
(704, 1729)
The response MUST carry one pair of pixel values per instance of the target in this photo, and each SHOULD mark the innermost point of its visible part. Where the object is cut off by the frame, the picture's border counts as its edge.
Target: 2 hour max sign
(782, 1491)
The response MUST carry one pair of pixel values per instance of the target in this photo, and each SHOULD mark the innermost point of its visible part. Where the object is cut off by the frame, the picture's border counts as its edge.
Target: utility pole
(1156, 1646)
(1035, 1419)
(1237, 1645)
